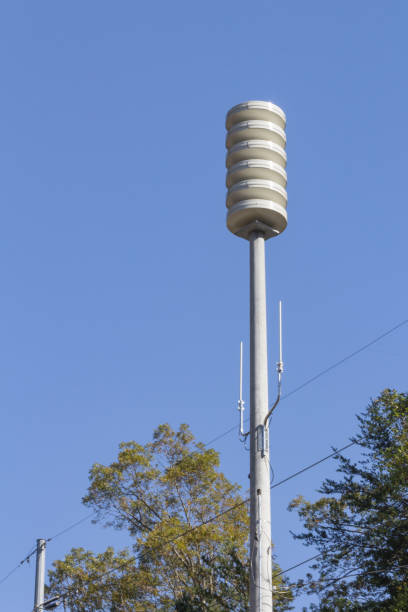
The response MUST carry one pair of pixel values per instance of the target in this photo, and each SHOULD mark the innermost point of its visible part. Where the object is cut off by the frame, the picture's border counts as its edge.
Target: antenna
(240, 373)
(241, 403)
(279, 365)
(279, 368)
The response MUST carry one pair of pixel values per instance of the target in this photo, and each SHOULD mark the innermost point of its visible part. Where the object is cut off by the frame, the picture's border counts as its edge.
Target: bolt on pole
(39, 575)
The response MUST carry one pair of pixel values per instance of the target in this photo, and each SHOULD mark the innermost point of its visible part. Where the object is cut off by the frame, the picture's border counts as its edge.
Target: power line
(60, 533)
(25, 560)
(295, 566)
(56, 535)
(333, 580)
(10, 573)
(349, 575)
(346, 358)
(305, 469)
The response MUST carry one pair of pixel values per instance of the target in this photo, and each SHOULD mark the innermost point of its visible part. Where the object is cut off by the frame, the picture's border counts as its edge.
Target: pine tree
(360, 524)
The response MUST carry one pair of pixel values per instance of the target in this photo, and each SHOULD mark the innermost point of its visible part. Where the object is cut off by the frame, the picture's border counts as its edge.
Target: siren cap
(256, 176)
(255, 109)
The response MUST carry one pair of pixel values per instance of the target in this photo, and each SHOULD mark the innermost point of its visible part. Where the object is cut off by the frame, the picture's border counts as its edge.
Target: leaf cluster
(164, 494)
(360, 523)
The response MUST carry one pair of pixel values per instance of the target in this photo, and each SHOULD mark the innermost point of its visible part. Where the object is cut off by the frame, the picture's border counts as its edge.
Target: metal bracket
(262, 440)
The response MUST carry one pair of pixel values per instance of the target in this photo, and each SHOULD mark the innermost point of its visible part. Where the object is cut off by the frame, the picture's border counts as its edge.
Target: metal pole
(260, 513)
(39, 575)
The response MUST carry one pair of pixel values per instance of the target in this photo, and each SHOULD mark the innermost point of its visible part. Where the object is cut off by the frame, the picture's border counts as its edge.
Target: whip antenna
(279, 365)
(279, 368)
(241, 403)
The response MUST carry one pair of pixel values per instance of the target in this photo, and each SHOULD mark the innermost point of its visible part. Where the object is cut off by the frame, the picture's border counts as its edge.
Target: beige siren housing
(256, 161)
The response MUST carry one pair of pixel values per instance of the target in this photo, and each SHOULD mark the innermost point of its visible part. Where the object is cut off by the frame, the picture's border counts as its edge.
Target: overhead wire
(72, 526)
(351, 573)
(56, 535)
(312, 465)
(346, 358)
(295, 566)
(25, 560)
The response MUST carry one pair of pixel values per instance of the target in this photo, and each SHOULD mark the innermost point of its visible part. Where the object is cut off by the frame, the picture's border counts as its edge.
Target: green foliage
(360, 524)
(232, 591)
(156, 492)
(101, 582)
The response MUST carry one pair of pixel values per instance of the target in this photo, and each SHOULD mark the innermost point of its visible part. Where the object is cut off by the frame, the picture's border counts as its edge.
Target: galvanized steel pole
(39, 575)
(260, 514)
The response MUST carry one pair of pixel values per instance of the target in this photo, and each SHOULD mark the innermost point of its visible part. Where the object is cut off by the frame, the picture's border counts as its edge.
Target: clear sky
(124, 297)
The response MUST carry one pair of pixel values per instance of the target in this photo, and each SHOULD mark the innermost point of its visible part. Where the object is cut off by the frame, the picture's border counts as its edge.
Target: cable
(82, 520)
(303, 562)
(346, 358)
(313, 465)
(30, 554)
(348, 575)
(25, 560)
(10, 573)
(295, 566)
(271, 472)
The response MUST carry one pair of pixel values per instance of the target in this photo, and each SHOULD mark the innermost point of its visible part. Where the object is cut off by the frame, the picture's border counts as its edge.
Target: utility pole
(39, 575)
(260, 511)
(256, 202)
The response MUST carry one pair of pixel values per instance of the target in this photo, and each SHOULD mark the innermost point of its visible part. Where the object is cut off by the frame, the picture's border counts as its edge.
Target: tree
(360, 524)
(101, 582)
(165, 494)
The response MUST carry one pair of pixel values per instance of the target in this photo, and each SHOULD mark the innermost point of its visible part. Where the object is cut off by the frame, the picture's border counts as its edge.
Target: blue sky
(124, 297)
